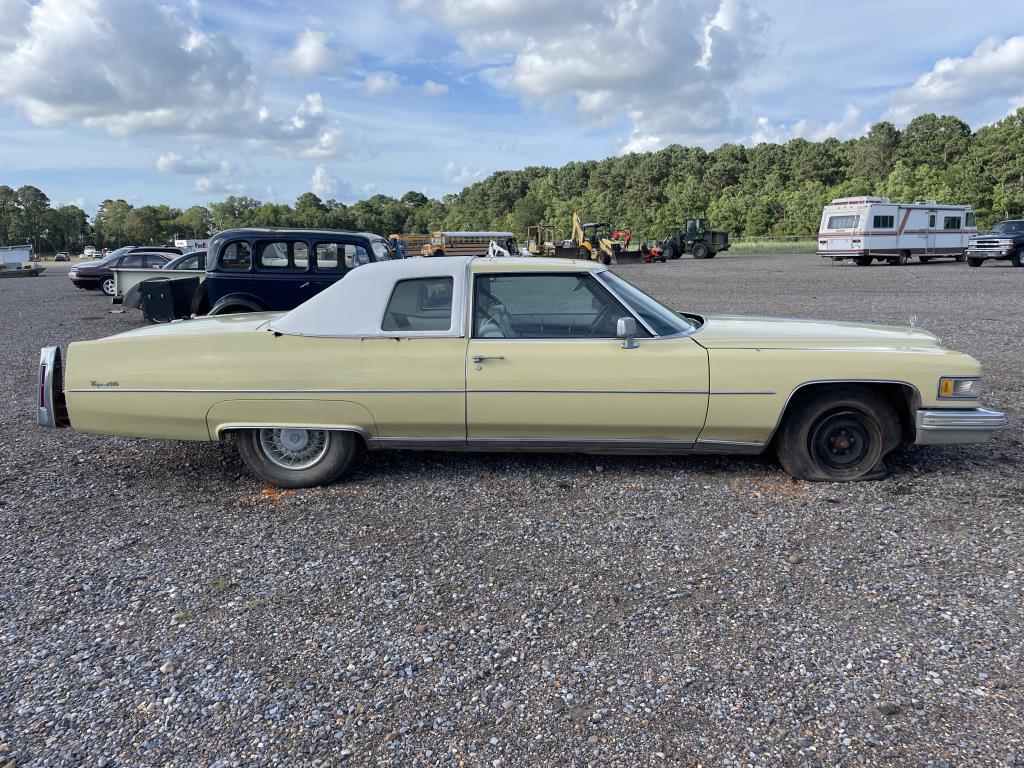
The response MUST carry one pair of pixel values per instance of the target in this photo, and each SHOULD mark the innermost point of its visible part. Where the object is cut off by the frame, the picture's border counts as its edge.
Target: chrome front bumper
(971, 425)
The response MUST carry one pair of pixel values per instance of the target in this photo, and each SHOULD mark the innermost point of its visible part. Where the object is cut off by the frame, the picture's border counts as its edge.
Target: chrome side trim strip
(564, 445)
(589, 391)
(275, 391)
(198, 390)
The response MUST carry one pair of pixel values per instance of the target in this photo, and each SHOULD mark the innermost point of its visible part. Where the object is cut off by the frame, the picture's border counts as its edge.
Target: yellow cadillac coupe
(488, 354)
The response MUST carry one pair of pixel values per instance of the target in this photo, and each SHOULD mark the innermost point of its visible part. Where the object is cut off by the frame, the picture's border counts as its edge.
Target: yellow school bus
(412, 243)
(469, 243)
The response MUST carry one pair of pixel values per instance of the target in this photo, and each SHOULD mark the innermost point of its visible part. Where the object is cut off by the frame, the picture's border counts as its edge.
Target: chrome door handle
(480, 358)
(304, 285)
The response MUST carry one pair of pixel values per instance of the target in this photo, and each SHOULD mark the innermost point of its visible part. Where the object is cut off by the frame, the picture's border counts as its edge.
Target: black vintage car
(256, 270)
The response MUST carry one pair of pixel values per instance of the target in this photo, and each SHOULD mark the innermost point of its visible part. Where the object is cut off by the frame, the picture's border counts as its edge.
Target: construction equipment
(547, 240)
(595, 240)
(696, 236)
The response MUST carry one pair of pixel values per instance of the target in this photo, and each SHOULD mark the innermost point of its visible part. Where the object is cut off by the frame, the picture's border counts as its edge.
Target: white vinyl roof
(354, 306)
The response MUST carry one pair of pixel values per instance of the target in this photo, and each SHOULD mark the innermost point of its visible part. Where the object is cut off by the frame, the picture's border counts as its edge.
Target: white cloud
(214, 186)
(322, 183)
(456, 177)
(849, 126)
(327, 144)
(381, 82)
(993, 74)
(310, 56)
(128, 67)
(172, 162)
(662, 67)
(430, 88)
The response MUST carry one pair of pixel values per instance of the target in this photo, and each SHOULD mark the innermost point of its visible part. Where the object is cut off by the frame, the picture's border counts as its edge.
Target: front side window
(423, 304)
(354, 255)
(192, 262)
(132, 261)
(555, 306)
(951, 222)
(659, 318)
(883, 222)
(155, 260)
(847, 221)
(236, 256)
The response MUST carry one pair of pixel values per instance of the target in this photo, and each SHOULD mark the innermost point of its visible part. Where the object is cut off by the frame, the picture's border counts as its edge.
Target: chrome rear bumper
(971, 425)
(51, 410)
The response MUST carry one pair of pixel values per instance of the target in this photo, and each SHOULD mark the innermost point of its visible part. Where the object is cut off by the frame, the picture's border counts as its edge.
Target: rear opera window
(846, 221)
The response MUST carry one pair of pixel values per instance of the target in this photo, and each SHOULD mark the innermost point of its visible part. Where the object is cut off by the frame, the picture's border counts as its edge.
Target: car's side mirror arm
(625, 329)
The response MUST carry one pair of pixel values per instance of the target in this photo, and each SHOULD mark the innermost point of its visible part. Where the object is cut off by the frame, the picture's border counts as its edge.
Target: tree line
(765, 190)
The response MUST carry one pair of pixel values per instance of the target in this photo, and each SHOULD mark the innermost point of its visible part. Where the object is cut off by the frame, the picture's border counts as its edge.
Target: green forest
(765, 190)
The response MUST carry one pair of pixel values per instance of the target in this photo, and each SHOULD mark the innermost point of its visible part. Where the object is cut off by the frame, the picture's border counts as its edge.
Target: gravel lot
(160, 607)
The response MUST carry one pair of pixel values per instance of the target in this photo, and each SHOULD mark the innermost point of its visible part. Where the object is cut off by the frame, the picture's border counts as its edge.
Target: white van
(867, 229)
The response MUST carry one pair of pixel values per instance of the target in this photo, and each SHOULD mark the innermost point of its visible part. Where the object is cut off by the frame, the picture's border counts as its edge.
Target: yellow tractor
(595, 240)
(546, 240)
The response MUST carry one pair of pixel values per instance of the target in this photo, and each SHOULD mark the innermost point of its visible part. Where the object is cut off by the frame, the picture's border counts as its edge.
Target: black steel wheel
(700, 250)
(838, 434)
(974, 262)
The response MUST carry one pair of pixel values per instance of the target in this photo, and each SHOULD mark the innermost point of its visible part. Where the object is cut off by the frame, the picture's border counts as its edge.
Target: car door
(544, 366)
(283, 279)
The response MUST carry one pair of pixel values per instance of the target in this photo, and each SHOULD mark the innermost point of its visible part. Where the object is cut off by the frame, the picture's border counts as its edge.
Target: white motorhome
(867, 229)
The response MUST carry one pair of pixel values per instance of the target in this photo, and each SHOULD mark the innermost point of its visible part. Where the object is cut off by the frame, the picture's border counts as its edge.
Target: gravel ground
(160, 607)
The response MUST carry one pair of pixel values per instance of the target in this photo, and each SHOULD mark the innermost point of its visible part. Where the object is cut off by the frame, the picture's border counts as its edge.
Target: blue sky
(187, 101)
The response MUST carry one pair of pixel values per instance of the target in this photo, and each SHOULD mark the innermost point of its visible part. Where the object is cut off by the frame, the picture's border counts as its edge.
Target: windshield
(1009, 228)
(118, 252)
(382, 251)
(662, 320)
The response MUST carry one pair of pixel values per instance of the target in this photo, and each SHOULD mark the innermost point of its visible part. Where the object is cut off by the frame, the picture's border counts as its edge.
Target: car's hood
(236, 323)
(727, 331)
(80, 264)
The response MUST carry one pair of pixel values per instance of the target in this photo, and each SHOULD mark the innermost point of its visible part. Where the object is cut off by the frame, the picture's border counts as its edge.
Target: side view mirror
(625, 329)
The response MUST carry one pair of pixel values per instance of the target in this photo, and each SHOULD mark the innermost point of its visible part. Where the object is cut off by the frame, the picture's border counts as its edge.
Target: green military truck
(696, 236)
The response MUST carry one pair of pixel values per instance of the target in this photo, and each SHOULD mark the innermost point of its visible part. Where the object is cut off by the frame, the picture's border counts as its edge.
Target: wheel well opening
(902, 397)
(232, 433)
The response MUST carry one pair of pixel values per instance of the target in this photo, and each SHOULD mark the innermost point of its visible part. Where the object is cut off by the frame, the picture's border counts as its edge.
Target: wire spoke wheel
(293, 448)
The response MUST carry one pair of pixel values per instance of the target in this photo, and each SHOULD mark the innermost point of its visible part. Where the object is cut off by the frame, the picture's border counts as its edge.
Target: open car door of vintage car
(544, 366)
